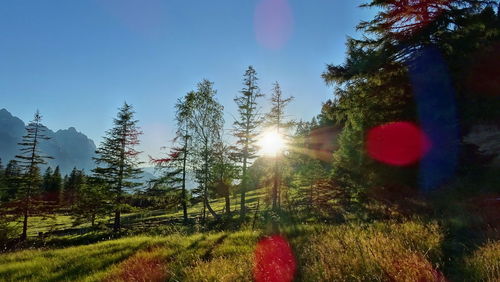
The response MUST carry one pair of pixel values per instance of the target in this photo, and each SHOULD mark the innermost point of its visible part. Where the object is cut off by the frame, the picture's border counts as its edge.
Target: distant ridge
(68, 147)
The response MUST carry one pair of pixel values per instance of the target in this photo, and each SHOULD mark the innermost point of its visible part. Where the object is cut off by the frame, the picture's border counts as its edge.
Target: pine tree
(12, 176)
(117, 159)
(173, 178)
(56, 185)
(245, 128)
(277, 120)
(175, 166)
(206, 124)
(93, 201)
(29, 160)
(72, 185)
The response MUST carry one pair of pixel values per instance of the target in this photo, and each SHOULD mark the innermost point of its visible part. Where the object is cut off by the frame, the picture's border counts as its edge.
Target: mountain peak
(3, 111)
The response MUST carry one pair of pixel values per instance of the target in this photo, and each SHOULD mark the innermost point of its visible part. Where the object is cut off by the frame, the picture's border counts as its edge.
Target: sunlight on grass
(484, 263)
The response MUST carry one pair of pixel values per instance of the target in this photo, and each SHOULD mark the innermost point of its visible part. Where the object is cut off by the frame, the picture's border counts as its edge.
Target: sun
(271, 143)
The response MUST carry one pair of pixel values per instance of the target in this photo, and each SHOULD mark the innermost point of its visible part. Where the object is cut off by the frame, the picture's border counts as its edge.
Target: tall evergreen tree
(29, 160)
(175, 166)
(206, 124)
(246, 127)
(72, 185)
(278, 121)
(12, 176)
(56, 185)
(413, 63)
(117, 159)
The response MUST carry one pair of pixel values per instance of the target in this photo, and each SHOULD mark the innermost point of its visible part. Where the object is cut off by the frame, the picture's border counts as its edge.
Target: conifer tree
(93, 201)
(12, 176)
(56, 185)
(175, 166)
(246, 127)
(29, 160)
(278, 121)
(71, 185)
(117, 159)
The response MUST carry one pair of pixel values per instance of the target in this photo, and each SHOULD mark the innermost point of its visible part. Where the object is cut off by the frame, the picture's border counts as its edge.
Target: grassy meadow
(152, 248)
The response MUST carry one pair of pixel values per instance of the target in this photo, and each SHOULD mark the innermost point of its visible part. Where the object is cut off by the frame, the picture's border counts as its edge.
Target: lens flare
(274, 260)
(273, 23)
(397, 143)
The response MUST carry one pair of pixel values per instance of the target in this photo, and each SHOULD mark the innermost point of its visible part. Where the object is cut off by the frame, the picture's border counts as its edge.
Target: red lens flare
(397, 143)
(274, 260)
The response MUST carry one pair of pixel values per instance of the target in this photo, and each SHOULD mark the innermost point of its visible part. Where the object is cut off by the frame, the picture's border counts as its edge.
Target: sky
(78, 61)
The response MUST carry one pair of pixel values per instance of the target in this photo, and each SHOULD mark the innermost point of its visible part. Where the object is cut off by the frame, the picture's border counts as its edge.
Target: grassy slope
(322, 252)
(143, 219)
(378, 251)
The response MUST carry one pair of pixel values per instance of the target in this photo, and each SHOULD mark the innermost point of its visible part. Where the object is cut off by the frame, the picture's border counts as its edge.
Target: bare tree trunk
(212, 212)
(117, 223)
(275, 186)
(24, 235)
(228, 204)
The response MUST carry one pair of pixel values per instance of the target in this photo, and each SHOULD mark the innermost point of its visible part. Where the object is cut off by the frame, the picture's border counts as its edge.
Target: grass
(375, 252)
(378, 251)
(484, 263)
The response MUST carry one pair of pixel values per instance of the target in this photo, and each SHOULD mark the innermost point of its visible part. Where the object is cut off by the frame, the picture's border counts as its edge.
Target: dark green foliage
(12, 179)
(72, 185)
(93, 201)
(373, 85)
(52, 186)
(246, 126)
(29, 159)
(224, 171)
(117, 162)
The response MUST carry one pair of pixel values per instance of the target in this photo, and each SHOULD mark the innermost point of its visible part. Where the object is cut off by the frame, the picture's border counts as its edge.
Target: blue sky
(77, 61)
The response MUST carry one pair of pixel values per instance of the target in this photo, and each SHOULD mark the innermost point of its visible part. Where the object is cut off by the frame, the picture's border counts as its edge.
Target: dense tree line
(428, 63)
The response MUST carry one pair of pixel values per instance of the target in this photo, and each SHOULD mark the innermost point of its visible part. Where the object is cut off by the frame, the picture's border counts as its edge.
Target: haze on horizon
(77, 62)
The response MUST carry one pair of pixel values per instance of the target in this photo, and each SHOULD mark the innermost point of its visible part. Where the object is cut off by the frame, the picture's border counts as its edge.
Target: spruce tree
(29, 160)
(175, 165)
(246, 128)
(278, 121)
(117, 159)
(71, 185)
(56, 185)
(93, 201)
(12, 176)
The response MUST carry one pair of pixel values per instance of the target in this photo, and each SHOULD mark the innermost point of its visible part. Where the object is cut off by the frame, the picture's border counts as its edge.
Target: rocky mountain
(68, 147)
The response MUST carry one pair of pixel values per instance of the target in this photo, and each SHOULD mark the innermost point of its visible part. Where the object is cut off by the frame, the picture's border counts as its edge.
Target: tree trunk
(184, 204)
(212, 212)
(228, 204)
(117, 226)
(24, 235)
(243, 188)
(275, 186)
